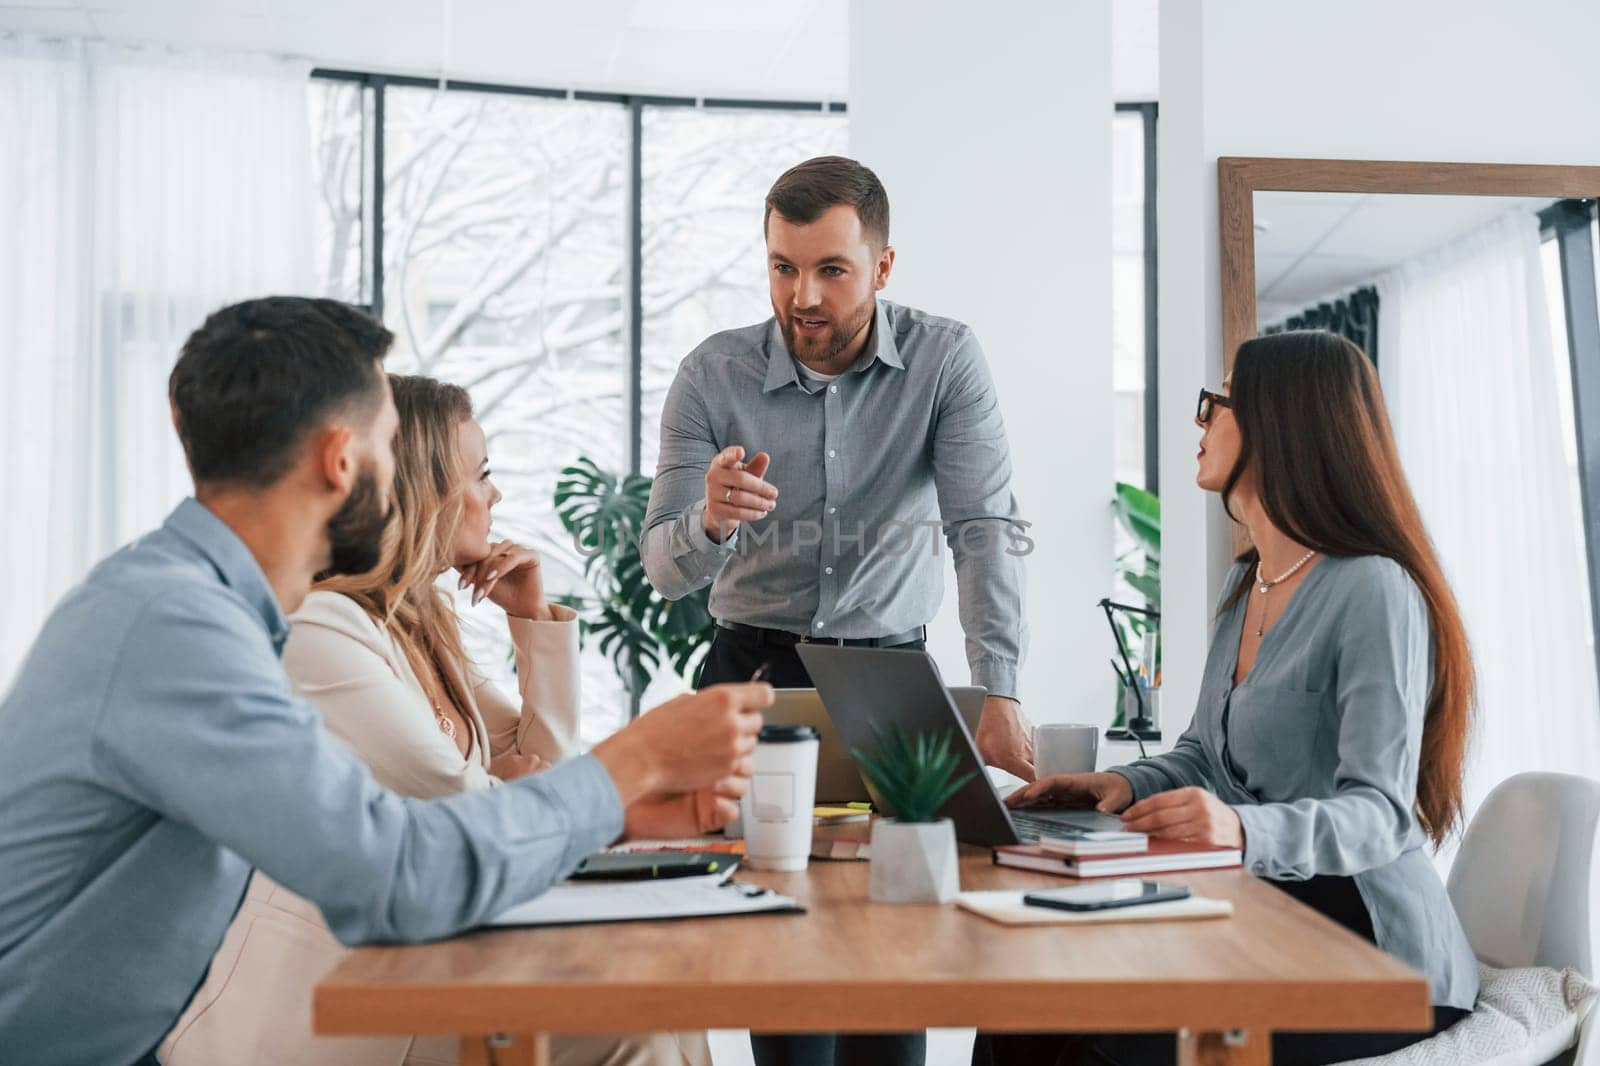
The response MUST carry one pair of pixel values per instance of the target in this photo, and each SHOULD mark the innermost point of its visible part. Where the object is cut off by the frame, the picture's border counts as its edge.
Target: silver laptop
(901, 687)
(838, 781)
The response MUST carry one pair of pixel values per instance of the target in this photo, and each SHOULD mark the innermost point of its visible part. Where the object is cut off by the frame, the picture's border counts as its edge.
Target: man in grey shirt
(878, 429)
(157, 752)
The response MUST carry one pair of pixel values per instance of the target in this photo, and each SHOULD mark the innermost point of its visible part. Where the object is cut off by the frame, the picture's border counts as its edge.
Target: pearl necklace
(1264, 586)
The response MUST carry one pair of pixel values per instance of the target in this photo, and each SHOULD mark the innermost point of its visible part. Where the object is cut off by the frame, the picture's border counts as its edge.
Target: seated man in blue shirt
(158, 753)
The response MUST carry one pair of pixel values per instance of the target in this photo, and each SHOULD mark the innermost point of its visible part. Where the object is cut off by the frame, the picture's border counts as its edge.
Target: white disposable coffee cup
(1063, 748)
(777, 809)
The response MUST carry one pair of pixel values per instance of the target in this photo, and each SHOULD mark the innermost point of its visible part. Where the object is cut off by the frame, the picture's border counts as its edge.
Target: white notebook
(583, 902)
(1007, 908)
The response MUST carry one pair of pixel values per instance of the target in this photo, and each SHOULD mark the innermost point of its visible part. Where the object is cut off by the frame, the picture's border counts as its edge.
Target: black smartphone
(652, 865)
(1105, 895)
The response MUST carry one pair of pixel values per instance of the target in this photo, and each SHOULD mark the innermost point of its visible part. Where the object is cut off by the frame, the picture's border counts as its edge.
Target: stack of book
(1086, 854)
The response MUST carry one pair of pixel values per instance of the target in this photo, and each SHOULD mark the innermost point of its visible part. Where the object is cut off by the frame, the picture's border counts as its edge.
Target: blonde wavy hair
(400, 591)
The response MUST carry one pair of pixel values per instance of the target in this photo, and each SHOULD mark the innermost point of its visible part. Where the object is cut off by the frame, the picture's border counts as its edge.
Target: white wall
(1467, 81)
(991, 129)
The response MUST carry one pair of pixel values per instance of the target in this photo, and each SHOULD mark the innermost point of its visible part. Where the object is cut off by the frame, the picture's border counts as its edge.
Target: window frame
(1149, 111)
(1569, 223)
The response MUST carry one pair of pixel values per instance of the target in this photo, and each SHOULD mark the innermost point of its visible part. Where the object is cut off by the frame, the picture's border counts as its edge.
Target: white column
(990, 126)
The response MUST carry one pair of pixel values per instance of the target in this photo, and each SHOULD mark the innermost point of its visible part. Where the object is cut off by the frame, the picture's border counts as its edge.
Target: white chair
(1526, 882)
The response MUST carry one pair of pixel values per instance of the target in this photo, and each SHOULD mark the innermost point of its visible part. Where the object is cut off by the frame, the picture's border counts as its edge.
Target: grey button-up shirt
(1317, 751)
(873, 470)
(156, 753)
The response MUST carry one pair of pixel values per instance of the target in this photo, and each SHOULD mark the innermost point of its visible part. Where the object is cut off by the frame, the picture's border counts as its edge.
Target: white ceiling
(795, 49)
(775, 49)
(1312, 246)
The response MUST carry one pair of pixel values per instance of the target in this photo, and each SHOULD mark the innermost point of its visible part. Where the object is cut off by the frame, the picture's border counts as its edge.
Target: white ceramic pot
(914, 862)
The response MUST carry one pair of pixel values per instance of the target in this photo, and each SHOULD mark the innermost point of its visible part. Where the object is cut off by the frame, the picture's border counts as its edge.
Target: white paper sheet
(580, 902)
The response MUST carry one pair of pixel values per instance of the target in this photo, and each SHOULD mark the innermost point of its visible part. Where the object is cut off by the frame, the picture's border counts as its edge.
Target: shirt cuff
(699, 539)
(583, 790)
(546, 640)
(1258, 845)
(560, 612)
(998, 677)
(1145, 780)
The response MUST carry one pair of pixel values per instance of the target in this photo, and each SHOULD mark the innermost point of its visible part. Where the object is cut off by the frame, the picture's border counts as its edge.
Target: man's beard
(838, 339)
(355, 532)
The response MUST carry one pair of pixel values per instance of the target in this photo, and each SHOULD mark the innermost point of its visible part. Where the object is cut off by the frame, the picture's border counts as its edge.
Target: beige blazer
(255, 1004)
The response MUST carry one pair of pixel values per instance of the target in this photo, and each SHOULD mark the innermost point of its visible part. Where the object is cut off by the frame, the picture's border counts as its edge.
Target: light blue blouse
(1317, 752)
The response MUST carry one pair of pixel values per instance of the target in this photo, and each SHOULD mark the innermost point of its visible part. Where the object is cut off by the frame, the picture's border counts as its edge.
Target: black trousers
(1335, 897)
(735, 657)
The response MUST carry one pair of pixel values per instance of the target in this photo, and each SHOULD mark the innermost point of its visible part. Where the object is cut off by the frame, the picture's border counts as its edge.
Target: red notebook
(1163, 857)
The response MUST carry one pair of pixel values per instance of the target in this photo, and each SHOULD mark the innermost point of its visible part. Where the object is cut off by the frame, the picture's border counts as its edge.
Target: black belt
(785, 639)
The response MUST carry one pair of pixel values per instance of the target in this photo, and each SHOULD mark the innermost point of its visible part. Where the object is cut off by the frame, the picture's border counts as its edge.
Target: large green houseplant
(1139, 569)
(636, 627)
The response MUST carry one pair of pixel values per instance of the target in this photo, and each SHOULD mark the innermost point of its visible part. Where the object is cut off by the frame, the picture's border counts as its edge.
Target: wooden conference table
(852, 965)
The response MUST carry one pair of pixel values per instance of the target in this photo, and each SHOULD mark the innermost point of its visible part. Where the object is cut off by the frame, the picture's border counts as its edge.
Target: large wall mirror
(1473, 289)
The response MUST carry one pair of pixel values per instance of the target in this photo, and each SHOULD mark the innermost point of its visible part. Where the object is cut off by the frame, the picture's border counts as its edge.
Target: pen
(762, 672)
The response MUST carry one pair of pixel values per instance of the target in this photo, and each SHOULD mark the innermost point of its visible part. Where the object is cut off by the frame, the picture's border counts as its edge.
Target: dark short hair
(259, 376)
(808, 189)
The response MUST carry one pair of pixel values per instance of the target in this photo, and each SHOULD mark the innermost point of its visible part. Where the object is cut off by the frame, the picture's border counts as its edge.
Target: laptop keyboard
(1030, 827)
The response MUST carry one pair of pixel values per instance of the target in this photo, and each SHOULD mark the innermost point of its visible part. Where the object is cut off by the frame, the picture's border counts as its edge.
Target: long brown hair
(399, 592)
(1314, 429)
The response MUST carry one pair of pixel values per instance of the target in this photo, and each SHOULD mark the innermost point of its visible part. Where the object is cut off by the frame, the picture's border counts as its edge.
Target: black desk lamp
(1142, 726)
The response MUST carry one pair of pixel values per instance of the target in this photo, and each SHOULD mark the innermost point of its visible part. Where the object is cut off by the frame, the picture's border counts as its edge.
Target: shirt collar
(780, 364)
(234, 563)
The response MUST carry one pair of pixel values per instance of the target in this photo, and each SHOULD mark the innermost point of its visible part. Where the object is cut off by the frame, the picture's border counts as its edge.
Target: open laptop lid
(896, 686)
(838, 780)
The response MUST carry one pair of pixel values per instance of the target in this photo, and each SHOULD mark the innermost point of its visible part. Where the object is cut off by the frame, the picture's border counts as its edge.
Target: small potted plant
(914, 854)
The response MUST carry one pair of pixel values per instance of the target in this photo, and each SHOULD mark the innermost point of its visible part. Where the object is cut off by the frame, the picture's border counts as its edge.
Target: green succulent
(914, 776)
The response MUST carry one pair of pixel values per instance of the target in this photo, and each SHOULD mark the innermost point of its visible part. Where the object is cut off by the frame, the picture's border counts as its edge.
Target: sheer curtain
(1472, 383)
(139, 190)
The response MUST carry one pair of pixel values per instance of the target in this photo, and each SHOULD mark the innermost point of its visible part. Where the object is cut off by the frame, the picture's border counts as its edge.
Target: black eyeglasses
(1209, 402)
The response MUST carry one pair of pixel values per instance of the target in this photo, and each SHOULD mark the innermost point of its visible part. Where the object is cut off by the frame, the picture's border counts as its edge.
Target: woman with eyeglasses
(1337, 696)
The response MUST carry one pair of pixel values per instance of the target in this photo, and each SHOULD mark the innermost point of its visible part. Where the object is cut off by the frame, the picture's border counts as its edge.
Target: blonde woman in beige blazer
(380, 657)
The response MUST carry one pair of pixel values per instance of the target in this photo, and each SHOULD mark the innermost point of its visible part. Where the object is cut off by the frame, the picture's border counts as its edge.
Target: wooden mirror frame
(1239, 178)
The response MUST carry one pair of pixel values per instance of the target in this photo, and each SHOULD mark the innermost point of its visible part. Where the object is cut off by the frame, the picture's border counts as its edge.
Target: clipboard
(596, 902)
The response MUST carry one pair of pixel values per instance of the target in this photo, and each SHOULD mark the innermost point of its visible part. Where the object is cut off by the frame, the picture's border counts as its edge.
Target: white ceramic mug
(778, 808)
(1063, 748)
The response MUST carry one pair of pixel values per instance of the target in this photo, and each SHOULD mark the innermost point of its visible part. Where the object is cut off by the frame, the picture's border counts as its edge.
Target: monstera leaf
(1140, 512)
(604, 514)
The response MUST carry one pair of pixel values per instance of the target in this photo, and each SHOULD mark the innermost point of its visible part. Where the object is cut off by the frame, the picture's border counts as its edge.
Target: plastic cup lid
(787, 734)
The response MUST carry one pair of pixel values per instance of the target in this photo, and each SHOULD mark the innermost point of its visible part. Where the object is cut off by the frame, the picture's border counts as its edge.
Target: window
(1133, 293)
(706, 176)
(341, 159)
(1571, 233)
(504, 263)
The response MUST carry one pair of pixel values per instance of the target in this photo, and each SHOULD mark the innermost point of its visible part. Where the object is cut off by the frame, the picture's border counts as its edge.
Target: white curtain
(1474, 389)
(140, 189)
